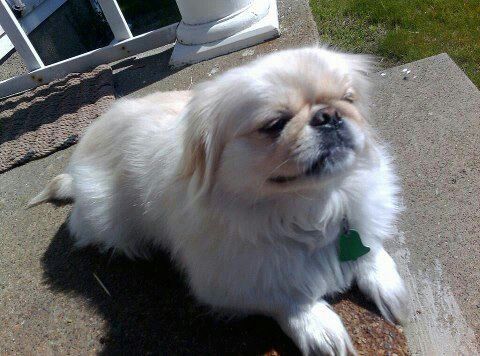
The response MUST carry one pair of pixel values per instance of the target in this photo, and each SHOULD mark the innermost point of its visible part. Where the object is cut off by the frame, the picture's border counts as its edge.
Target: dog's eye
(275, 126)
(349, 96)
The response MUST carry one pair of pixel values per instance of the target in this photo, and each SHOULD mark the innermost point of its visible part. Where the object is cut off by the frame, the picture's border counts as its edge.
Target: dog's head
(286, 122)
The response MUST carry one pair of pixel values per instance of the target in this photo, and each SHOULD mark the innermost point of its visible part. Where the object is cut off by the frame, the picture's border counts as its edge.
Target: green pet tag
(351, 246)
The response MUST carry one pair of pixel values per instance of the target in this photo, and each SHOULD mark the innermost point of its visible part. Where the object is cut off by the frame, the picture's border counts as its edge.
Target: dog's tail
(59, 189)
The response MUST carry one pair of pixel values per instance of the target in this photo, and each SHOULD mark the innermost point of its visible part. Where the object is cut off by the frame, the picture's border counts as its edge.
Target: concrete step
(431, 121)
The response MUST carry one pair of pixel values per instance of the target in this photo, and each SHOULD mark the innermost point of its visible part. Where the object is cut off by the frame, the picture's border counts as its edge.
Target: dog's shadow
(149, 309)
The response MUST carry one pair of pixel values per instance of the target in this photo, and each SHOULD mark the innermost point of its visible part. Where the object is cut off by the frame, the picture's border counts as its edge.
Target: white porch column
(210, 28)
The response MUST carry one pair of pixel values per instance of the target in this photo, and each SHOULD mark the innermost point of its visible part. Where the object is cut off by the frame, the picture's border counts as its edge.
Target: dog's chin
(329, 164)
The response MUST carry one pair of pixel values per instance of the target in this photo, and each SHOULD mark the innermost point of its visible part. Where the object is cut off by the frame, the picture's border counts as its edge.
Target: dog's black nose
(325, 116)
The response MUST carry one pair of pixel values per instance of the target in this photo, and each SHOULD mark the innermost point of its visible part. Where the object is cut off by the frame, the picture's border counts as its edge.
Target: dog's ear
(358, 69)
(202, 141)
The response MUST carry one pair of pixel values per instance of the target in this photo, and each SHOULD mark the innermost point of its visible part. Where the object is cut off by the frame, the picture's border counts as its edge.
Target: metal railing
(209, 28)
(125, 45)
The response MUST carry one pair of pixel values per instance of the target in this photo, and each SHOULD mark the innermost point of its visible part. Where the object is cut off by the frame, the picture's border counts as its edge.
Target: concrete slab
(72, 29)
(51, 300)
(11, 66)
(52, 303)
(431, 120)
(149, 72)
(29, 316)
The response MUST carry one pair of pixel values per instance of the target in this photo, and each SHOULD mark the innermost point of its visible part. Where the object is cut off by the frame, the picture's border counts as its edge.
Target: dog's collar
(350, 243)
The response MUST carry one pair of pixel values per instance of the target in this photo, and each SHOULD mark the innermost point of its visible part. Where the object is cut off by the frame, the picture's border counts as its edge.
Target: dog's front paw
(380, 281)
(317, 330)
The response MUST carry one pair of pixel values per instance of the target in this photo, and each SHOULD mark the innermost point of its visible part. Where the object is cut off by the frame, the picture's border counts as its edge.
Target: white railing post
(19, 38)
(115, 19)
(210, 28)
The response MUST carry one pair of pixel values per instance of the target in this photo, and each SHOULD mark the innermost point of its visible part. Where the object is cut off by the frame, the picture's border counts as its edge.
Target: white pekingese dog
(250, 181)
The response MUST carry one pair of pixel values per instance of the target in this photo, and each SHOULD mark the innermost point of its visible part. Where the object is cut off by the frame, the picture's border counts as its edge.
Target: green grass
(401, 31)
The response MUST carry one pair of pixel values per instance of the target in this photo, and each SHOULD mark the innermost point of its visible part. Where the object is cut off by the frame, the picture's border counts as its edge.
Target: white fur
(245, 244)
